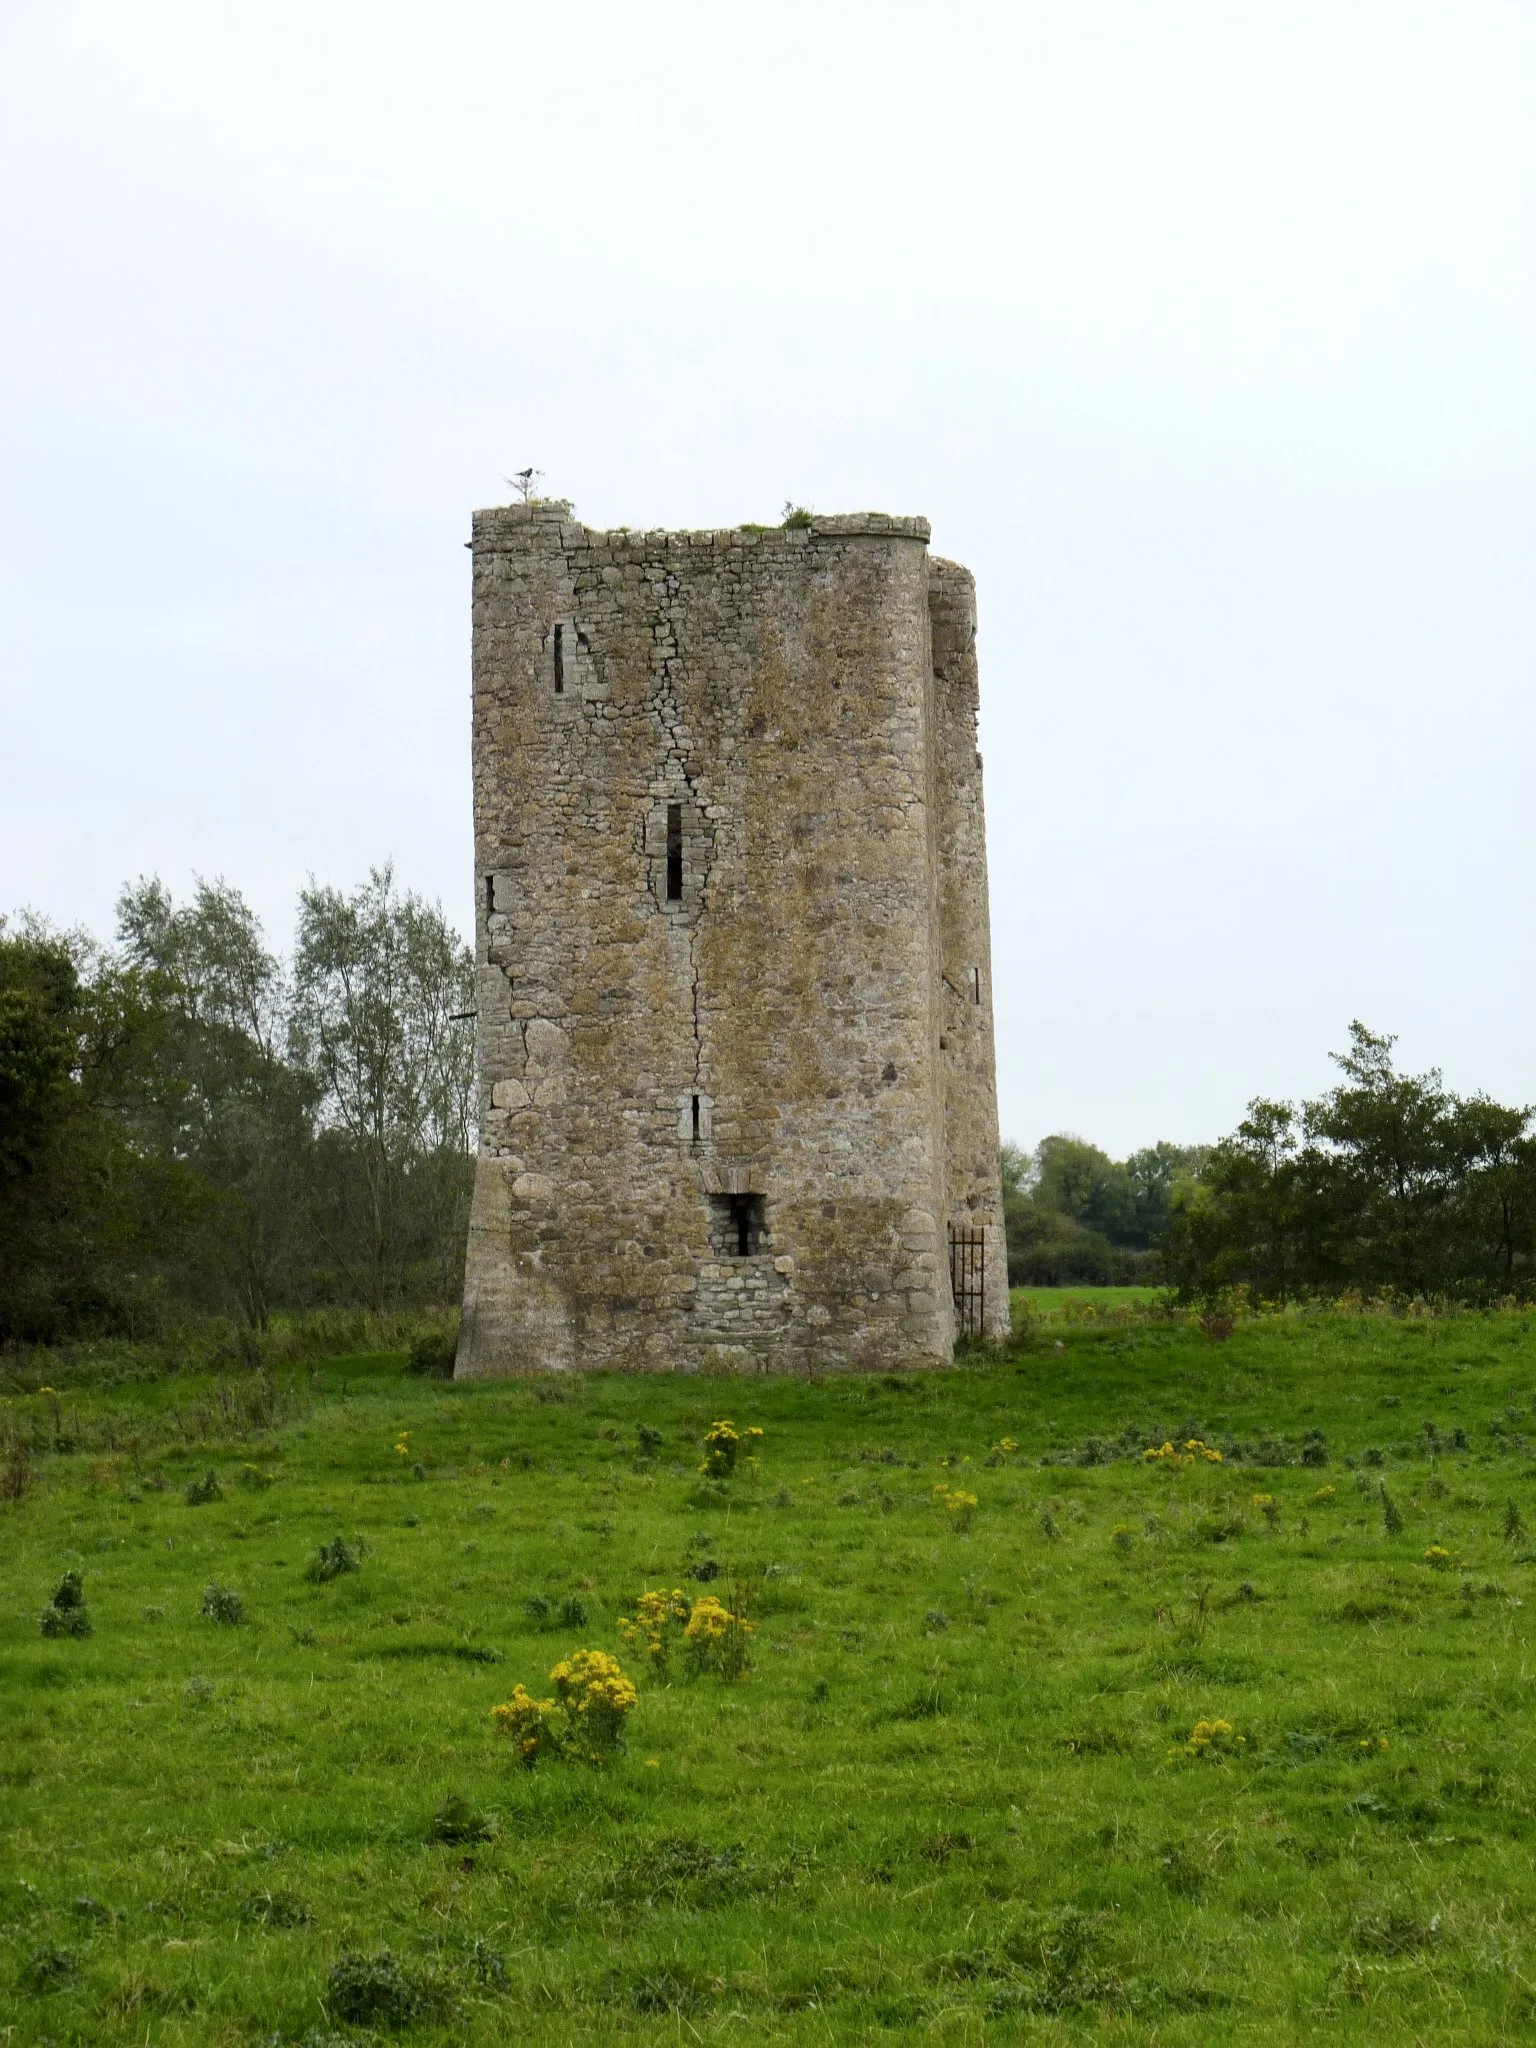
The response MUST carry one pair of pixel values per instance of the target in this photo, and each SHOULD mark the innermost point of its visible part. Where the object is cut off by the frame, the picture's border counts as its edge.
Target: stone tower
(737, 1095)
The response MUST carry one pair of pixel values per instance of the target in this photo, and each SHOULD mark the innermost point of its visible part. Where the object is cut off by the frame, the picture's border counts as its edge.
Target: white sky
(1205, 334)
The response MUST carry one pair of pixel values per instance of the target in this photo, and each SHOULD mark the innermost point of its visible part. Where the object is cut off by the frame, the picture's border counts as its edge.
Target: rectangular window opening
(975, 984)
(737, 1225)
(674, 853)
(559, 661)
(490, 895)
(695, 1119)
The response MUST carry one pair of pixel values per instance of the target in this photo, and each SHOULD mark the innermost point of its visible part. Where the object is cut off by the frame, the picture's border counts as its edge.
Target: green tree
(78, 1200)
(381, 985)
(225, 1099)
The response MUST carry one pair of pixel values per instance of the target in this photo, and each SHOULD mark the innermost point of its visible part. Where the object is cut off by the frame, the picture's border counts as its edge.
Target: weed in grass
(275, 1909)
(201, 1492)
(66, 1613)
(1391, 1514)
(223, 1606)
(49, 1969)
(459, 1820)
(333, 1559)
(1514, 1526)
(377, 1989)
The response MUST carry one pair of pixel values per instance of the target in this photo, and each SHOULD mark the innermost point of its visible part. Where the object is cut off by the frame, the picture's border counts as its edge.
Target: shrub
(223, 1606)
(716, 1638)
(1391, 1516)
(526, 1722)
(648, 1440)
(201, 1491)
(332, 1559)
(432, 1353)
(657, 1621)
(595, 1698)
(596, 1695)
(722, 1447)
(573, 1612)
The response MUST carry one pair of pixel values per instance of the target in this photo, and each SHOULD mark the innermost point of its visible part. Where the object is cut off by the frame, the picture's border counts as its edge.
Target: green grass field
(1064, 1303)
(956, 1797)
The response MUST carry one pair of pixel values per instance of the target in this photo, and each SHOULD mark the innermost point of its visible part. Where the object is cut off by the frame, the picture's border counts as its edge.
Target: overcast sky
(1205, 334)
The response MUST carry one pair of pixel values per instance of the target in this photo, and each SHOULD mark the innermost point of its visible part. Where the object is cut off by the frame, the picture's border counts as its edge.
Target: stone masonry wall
(716, 846)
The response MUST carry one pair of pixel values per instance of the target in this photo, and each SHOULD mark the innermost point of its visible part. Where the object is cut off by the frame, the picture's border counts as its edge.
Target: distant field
(1055, 1301)
(963, 1795)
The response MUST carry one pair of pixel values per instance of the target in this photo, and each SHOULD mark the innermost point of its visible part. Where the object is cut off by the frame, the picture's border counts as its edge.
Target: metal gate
(968, 1277)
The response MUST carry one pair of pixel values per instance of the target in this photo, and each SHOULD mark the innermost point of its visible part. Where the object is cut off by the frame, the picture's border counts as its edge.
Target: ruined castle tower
(737, 1094)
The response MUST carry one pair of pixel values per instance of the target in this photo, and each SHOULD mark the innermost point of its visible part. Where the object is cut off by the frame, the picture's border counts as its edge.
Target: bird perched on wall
(525, 480)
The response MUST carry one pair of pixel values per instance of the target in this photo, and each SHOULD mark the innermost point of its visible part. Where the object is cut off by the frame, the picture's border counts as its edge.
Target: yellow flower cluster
(959, 1505)
(1438, 1558)
(722, 1445)
(1005, 1446)
(1323, 1495)
(656, 1619)
(526, 1720)
(717, 1638)
(403, 1444)
(1191, 1453)
(594, 1690)
(1210, 1738)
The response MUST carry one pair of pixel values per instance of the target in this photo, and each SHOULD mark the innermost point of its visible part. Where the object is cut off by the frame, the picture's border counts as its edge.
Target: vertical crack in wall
(666, 659)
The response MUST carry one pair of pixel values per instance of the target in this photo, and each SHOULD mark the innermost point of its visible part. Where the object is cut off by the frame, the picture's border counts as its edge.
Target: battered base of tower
(527, 1311)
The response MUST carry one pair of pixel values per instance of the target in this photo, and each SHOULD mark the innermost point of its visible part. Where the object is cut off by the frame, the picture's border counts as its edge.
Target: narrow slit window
(490, 895)
(695, 1119)
(975, 984)
(674, 853)
(559, 661)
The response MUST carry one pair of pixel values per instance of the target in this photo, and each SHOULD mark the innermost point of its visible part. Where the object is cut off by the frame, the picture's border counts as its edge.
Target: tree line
(1388, 1184)
(190, 1124)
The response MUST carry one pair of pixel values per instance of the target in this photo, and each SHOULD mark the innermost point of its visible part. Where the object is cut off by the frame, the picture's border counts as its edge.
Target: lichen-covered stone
(737, 1088)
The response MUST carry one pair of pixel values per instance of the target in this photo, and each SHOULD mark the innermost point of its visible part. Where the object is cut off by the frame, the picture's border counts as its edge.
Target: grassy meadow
(1162, 1750)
